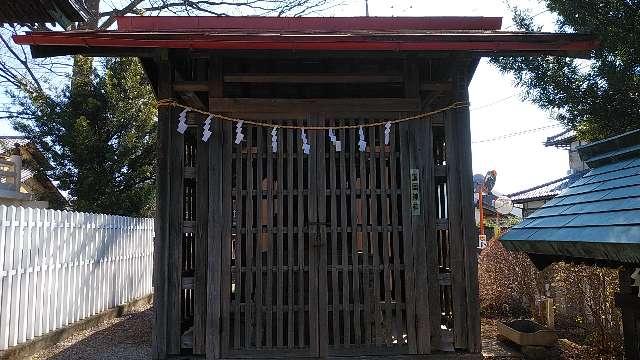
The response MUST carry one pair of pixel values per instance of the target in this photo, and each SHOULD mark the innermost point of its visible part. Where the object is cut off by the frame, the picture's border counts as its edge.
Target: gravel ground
(127, 337)
(492, 348)
(564, 350)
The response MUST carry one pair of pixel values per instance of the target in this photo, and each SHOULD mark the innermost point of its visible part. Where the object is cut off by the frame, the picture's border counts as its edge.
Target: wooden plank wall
(259, 251)
(366, 242)
(180, 257)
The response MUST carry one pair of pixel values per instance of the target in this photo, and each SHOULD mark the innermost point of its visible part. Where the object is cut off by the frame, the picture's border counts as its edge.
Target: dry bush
(511, 287)
(585, 305)
(509, 283)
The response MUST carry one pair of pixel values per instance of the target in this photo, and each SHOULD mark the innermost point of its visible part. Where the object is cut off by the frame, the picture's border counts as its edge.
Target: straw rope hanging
(306, 146)
(174, 103)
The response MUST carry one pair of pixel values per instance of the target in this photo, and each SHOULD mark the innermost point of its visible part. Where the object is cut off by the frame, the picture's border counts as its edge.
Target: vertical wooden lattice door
(270, 283)
(366, 264)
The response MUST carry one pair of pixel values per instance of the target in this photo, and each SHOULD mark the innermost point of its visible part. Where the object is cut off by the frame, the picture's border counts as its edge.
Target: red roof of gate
(467, 34)
(305, 24)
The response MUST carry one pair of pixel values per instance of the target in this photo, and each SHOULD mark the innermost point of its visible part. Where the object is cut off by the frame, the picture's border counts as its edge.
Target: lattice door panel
(368, 262)
(270, 270)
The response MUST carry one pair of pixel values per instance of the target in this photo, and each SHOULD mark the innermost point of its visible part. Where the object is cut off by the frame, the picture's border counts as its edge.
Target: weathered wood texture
(463, 143)
(272, 278)
(333, 253)
(629, 303)
(366, 285)
(200, 247)
(161, 243)
(219, 173)
(305, 106)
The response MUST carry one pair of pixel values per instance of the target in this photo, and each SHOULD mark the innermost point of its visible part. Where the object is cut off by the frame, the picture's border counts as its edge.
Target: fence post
(6, 246)
(58, 267)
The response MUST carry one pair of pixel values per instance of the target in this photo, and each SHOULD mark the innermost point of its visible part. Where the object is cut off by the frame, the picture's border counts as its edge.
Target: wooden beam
(190, 86)
(303, 106)
(436, 86)
(188, 96)
(203, 86)
(313, 78)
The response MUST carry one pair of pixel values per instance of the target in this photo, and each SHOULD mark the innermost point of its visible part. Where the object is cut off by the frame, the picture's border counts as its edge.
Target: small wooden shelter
(595, 221)
(332, 253)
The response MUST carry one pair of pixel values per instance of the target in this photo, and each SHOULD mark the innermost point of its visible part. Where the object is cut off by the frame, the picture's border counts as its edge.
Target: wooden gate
(366, 277)
(270, 273)
(319, 258)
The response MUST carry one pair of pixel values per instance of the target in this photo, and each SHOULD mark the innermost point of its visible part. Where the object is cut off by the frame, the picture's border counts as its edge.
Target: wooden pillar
(200, 243)
(469, 236)
(218, 225)
(456, 240)
(201, 230)
(161, 242)
(629, 303)
(417, 149)
(424, 236)
(175, 208)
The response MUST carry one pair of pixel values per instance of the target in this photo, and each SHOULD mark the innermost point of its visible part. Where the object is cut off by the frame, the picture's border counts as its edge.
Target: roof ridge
(547, 183)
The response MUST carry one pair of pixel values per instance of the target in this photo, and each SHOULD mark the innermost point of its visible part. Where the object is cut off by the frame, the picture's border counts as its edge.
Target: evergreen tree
(597, 98)
(99, 136)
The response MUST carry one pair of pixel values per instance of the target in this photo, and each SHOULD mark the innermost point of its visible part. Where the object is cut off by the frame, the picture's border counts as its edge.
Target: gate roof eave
(471, 35)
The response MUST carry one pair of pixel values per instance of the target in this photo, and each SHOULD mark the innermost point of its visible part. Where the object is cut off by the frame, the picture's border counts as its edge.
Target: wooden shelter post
(216, 201)
(159, 350)
(629, 303)
(461, 81)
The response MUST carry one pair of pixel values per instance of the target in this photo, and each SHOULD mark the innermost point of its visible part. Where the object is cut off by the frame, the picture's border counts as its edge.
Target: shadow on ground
(128, 338)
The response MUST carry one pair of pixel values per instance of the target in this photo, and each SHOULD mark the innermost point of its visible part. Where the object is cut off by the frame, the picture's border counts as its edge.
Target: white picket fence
(58, 267)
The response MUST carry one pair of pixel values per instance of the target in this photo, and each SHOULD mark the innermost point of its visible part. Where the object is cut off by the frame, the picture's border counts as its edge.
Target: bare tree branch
(22, 74)
(23, 60)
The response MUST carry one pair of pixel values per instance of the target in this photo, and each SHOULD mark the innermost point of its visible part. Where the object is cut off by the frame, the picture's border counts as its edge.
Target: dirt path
(127, 337)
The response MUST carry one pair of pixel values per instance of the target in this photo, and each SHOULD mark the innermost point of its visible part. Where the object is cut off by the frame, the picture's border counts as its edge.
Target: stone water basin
(527, 333)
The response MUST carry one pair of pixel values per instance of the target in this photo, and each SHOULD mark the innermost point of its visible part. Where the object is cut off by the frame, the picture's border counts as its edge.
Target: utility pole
(366, 6)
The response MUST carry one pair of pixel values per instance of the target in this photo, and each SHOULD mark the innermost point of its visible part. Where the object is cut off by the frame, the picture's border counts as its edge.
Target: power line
(492, 103)
(514, 134)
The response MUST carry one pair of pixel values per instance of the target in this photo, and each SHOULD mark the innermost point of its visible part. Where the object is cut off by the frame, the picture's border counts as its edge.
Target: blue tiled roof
(596, 217)
(564, 139)
(546, 190)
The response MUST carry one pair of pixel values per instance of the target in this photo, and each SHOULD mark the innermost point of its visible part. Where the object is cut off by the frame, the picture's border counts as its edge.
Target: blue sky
(496, 108)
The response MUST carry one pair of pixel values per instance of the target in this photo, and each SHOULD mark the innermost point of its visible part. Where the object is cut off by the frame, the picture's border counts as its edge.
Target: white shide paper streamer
(206, 134)
(336, 143)
(239, 134)
(306, 148)
(387, 133)
(182, 121)
(274, 139)
(362, 143)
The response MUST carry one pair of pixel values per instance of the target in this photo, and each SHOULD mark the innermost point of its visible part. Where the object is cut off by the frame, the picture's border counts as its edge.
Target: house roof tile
(598, 216)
